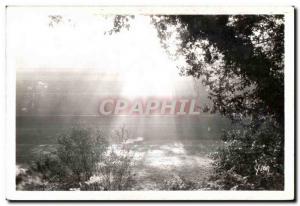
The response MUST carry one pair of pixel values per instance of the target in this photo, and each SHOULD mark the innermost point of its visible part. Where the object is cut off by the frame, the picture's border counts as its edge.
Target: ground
(164, 148)
(162, 162)
(156, 164)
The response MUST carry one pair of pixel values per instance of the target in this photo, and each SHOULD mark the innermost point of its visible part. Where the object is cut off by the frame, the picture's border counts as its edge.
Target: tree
(240, 58)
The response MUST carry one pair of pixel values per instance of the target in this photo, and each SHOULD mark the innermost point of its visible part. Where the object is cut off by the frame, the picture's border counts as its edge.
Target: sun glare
(79, 43)
(151, 72)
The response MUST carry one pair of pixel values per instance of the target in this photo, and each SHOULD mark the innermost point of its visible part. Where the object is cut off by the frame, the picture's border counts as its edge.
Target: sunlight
(148, 84)
(152, 73)
(79, 43)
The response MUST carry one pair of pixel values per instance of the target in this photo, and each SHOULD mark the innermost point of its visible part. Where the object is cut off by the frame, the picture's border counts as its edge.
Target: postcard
(149, 103)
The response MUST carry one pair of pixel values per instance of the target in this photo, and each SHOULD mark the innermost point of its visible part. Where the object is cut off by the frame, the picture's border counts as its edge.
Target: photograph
(160, 103)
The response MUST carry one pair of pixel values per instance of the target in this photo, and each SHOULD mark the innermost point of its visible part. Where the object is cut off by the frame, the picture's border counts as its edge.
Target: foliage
(80, 150)
(179, 182)
(115, 171)
(239, 58)
(120, 22)
(83, 160)
(252, 158)
(24, 180)
(49, 167)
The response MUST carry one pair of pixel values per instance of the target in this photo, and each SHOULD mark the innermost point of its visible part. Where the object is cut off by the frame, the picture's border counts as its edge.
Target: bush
(80, 150)
(251, 158)
(115, 171)
(49, 167)
(179, 182)
(82, 160)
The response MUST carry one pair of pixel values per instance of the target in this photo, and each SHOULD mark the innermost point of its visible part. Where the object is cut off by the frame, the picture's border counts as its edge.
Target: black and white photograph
(141, 103)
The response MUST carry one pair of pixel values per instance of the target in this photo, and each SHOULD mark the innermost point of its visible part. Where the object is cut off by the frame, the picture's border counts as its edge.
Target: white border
(287, 194)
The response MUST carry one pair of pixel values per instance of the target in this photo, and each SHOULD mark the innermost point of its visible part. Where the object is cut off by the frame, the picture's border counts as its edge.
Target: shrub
(251, 158)
(82, 160)
(73, 161)
(115, 171)
(49, 166)
(80, 150)
(179, 182)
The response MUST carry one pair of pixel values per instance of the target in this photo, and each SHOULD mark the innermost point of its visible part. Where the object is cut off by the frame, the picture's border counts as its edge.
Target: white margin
(287, 194)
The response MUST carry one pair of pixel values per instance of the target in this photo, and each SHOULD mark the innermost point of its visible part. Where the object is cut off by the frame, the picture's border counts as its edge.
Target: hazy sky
(78, 43)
